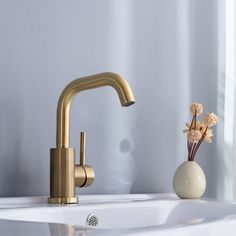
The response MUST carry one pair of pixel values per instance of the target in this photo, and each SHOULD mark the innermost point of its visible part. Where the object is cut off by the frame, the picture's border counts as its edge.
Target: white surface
(159, 214)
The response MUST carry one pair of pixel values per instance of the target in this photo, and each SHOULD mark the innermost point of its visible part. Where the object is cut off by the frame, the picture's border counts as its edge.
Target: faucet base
(63, 200)
(62, 176)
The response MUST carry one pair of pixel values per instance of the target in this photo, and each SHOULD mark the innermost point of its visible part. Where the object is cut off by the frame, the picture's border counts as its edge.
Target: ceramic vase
(189, 180)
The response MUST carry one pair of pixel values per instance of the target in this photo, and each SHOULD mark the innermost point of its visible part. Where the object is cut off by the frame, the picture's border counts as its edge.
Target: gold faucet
(65, 175)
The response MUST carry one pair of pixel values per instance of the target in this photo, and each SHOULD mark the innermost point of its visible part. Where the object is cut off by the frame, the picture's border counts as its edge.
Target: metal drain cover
(92, 220)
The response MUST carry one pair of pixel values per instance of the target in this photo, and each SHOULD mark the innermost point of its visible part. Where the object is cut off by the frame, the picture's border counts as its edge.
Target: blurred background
(171, 52)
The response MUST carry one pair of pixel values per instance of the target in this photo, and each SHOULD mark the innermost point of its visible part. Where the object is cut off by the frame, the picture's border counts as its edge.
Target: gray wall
(167, 50)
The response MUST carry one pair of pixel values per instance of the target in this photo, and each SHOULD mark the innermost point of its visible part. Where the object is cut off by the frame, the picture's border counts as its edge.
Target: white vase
(189, 180)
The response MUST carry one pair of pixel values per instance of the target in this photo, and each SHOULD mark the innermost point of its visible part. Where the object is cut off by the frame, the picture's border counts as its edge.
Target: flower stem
(191, 154)
(188, 143)
(198, 144)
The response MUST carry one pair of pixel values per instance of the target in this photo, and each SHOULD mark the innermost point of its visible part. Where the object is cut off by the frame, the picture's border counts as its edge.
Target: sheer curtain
(226, 137)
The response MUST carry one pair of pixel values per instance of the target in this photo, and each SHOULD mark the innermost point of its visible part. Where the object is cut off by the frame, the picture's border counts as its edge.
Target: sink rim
(40, 202)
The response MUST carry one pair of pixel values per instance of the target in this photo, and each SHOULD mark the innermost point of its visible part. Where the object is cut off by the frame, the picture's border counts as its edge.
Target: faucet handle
(82, 148)
(84, 174)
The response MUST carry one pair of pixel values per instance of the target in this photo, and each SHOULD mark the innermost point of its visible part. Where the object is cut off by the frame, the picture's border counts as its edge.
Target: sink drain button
(92, 220)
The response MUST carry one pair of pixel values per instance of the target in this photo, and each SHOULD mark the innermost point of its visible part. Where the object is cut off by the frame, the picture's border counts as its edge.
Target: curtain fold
(226, 137)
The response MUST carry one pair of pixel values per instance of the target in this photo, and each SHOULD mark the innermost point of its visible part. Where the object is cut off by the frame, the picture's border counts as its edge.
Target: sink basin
(106, 216)
(125, 213)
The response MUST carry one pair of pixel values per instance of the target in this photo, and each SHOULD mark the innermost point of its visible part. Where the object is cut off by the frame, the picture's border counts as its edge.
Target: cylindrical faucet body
(62, 175)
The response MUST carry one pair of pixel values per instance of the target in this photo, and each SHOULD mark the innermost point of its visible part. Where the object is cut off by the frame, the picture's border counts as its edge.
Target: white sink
(127, 214)
(124, 215)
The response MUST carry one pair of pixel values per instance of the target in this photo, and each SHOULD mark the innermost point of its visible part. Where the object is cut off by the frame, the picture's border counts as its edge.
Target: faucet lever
(82, 148)
(84, 174)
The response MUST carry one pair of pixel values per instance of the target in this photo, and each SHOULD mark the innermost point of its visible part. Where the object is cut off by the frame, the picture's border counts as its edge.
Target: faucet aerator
(127, 104)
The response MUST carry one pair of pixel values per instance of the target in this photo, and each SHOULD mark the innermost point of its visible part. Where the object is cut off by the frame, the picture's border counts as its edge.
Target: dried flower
(196, 108)
(211, 119)
(208, 135)
(194, 136)
(199, 126)
(198, 131)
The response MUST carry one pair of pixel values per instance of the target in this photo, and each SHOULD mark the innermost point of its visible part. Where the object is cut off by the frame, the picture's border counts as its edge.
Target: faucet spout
(94, 81)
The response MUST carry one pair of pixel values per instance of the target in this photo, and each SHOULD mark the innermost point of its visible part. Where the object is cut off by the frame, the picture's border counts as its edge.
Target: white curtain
(226, 137)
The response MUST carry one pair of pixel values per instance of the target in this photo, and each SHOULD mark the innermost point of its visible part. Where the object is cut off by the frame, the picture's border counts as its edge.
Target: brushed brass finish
(64, 174)
(94, 81)
(80, 176)
(84, 176)
(90, 176)
(62, 180)
(82, 148)
(63, 200)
